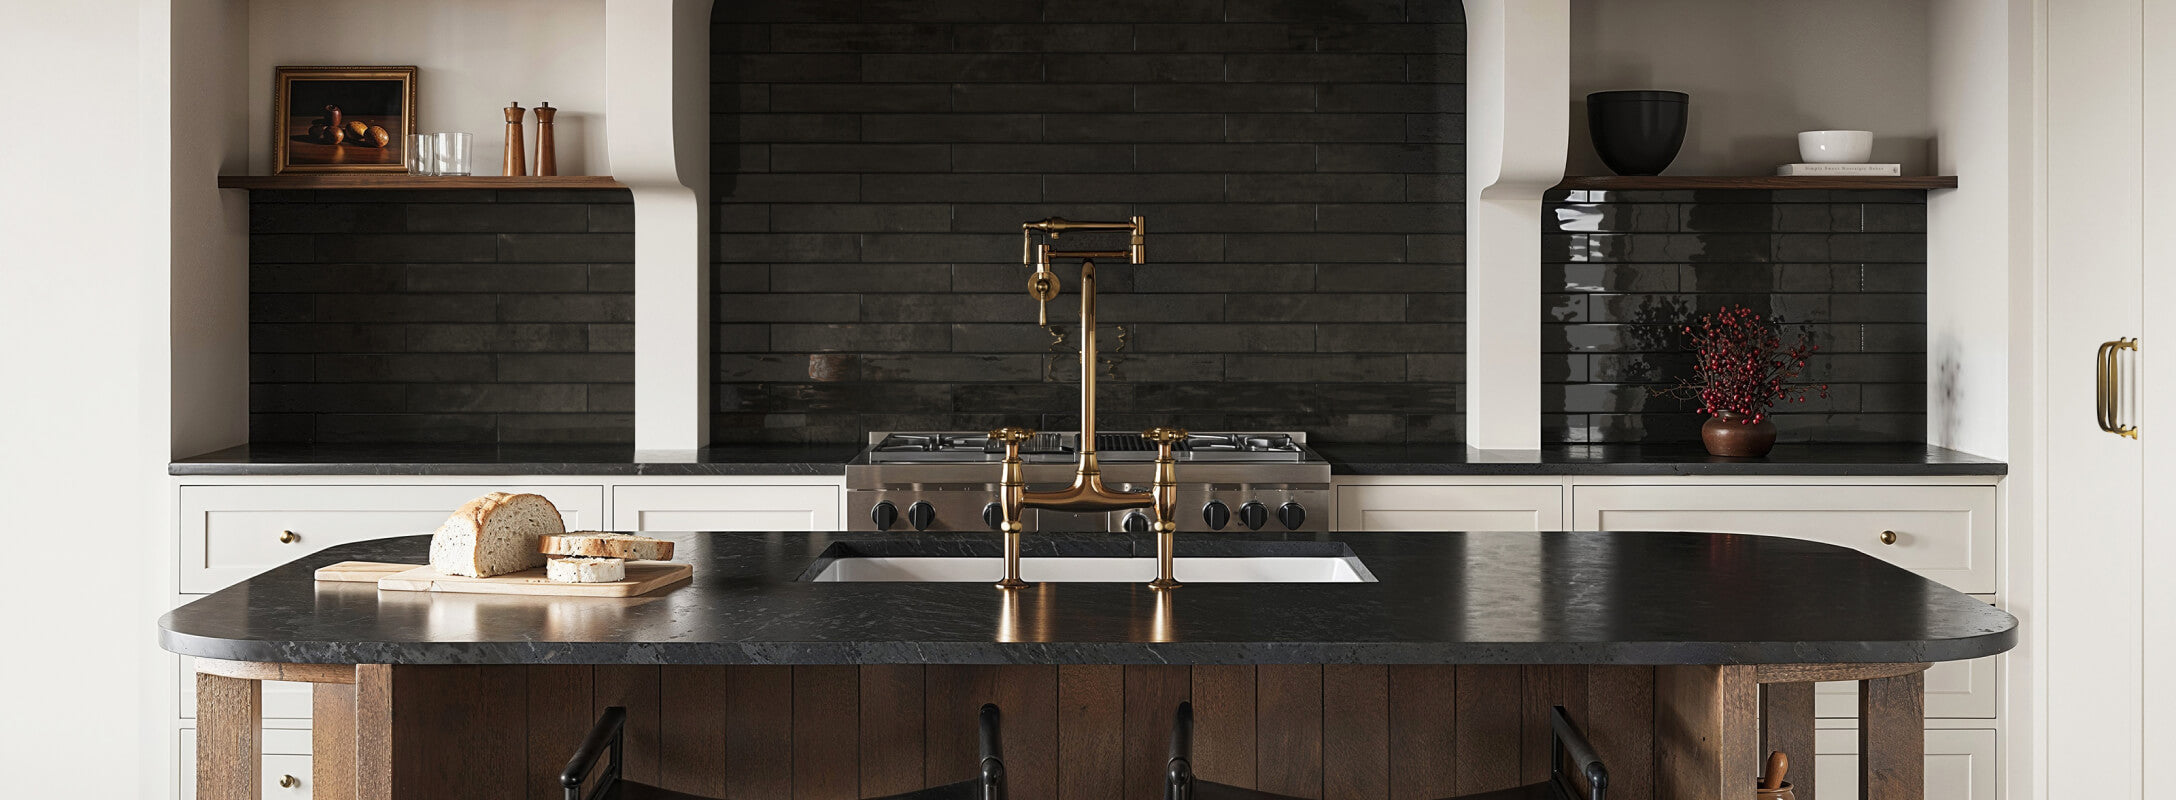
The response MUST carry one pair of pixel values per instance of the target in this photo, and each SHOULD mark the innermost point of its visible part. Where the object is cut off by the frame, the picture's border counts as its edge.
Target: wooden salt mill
(547, 156)
(517, 156)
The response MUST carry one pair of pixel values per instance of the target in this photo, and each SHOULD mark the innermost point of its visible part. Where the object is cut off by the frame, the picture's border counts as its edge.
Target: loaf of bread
(586, 570)
(598, 544)
(494, 534)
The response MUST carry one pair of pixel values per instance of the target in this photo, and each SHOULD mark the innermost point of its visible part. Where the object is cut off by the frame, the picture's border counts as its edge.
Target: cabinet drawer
(1946, 533)
(281, 700)
(1960, 764)
(1955, 690)
(229, 533)
(725, 508)
(1450, 508)
(286, 759)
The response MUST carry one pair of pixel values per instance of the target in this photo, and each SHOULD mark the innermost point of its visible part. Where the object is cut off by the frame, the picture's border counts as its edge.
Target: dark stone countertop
(1470, 598)
(1655, 459)
(436, 459)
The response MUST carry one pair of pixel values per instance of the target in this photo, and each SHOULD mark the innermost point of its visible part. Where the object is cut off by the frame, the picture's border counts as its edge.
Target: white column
(1518, 90)
(657, 78)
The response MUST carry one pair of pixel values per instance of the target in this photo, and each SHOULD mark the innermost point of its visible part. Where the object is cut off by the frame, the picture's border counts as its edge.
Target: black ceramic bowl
(1637, 132)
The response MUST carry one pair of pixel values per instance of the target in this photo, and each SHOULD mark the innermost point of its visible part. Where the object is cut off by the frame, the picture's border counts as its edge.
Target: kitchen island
(1683, 655)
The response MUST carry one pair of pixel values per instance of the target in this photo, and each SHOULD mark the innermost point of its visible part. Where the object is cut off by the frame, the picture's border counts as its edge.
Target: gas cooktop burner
(1052, 447)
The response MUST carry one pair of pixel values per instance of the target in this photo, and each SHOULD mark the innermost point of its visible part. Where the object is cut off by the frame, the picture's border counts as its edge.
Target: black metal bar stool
(606, 738)
(1564, 739)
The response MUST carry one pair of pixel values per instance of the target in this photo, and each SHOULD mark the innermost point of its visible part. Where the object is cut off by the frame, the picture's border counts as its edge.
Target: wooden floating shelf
(395, 180)
(1631, 182)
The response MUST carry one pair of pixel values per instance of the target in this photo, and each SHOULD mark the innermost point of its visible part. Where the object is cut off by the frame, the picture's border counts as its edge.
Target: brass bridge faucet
(1087, 492)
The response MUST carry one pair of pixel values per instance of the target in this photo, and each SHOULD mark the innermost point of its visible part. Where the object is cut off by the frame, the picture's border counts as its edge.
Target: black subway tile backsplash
(1624, 271)
(449, 316)
(1299, 164)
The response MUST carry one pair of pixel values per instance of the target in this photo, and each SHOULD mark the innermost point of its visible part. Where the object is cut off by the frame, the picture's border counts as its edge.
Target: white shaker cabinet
(1946, 533)
(229, 533)
(813, 507)
(1449, 507)
(1960, 764)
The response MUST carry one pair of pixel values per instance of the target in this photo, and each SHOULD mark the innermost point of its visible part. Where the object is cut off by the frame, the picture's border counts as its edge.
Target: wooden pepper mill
(517, 156)
(1772, 784)
(547, 155)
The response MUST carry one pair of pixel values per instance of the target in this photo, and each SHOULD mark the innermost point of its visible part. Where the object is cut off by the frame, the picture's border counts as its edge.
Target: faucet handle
(1164, 435)
(1012, 436)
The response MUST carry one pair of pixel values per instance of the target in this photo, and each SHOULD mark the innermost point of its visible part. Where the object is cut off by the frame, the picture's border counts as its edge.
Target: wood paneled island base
(1071, 732)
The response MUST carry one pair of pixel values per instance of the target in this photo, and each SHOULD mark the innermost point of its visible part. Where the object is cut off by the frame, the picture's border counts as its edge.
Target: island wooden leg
(229, 713)
(374, 732)
(1705, 720)
(1786, 724)
(1892, 738)
(332, 741)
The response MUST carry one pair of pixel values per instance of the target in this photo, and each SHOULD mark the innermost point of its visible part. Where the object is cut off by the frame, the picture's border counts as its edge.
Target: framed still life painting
(342, 119)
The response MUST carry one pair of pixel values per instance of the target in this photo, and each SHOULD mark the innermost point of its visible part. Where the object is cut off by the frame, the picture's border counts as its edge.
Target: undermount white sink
(964, 569)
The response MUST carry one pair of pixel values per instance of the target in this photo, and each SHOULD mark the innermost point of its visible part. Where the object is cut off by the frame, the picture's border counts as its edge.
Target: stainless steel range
(950, 482)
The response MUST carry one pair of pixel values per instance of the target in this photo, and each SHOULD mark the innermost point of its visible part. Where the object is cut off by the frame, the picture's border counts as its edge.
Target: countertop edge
(1674, 469)
(236, 469)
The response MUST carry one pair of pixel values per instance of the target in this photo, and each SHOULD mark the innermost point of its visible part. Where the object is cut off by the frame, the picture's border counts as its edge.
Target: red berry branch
(1741, 365)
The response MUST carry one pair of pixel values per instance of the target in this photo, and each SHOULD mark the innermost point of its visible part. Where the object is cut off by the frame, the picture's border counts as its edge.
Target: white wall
(472, 58)
(210, 272)
(83, 417)
(1759, 72)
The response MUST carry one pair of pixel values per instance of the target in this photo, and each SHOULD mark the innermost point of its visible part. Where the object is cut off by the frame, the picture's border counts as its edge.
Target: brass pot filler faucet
(1087, 493)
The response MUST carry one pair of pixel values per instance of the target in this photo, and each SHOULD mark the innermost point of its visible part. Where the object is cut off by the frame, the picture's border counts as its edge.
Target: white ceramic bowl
(1836, 147)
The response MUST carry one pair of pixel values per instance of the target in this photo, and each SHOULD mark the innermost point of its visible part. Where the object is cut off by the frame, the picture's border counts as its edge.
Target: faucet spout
(1087, 493)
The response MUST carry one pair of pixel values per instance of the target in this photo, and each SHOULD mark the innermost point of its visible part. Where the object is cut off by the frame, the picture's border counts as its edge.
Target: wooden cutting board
(643, 577)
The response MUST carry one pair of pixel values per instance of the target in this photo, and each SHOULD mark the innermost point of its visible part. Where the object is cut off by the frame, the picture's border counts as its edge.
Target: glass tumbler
(418, 156)
(449, 151)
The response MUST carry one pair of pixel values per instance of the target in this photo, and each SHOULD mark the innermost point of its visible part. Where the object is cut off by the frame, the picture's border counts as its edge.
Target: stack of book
(1834, 170)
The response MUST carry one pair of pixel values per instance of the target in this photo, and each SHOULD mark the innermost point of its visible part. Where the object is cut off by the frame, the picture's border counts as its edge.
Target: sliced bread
(494, 534)
(585, 570)
(598, 544)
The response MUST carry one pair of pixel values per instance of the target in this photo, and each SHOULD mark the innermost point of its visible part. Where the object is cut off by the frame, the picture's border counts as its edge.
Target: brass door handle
(1888, 537)
(289, 782)
(2108, 387)
(289, 537)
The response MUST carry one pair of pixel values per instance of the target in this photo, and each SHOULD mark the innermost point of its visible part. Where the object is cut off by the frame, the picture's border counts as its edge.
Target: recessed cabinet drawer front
(230, 533)
(1960, 764)
(725, 508)
(1946, 533)
(282, 700)
(1450, 508)
(286, 761)
(1955, 690)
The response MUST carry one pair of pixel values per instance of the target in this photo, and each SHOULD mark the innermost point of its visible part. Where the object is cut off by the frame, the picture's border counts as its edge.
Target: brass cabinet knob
(289, 537)
(289, 782)
(1888, 537)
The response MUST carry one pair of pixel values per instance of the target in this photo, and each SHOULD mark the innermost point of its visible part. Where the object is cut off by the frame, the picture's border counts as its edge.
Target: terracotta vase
(1725, 434)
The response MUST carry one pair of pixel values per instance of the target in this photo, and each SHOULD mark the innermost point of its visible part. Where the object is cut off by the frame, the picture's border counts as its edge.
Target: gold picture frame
(381, 99)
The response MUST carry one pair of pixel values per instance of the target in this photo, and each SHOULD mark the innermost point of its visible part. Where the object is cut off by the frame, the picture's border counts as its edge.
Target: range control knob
(1217, 514)
(1135, 522)
(885, 515)
(1254, 515)
(1292, 515)
(993, 515)
(921, 514)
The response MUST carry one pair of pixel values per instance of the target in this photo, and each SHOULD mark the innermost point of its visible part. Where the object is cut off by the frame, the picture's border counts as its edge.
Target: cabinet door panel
(725, 508)
(1450, 508)
(1946, 533)
(1960, 764)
